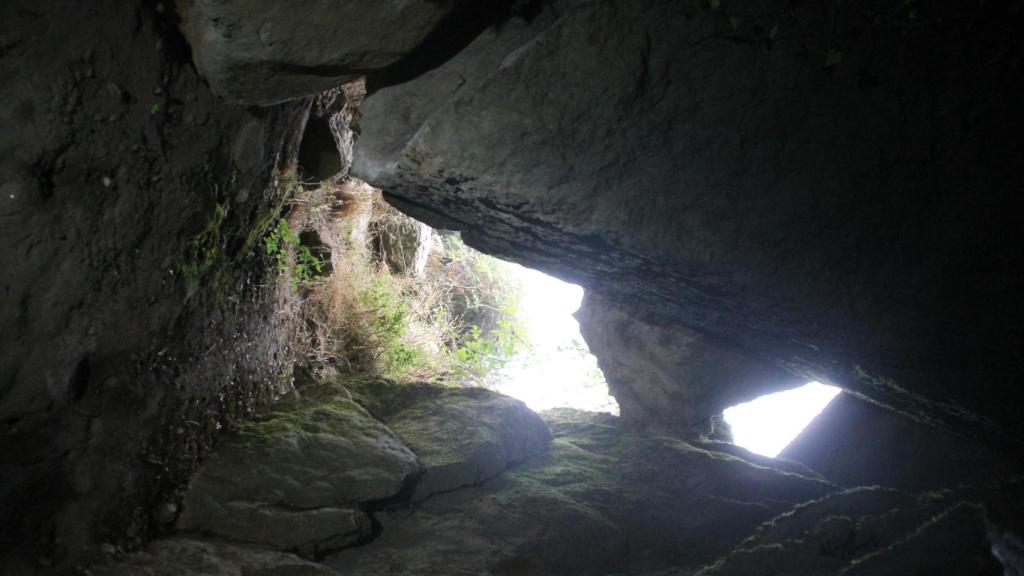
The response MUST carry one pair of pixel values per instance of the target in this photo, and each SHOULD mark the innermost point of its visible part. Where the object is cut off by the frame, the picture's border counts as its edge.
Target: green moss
(308, 415)
(212, 256)
(583, 459)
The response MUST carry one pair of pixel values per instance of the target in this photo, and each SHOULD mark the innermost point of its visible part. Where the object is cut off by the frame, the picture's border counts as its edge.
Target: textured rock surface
(177, 556)
(402, 243)
(462, 436)
(263, 53)
(256, 52)
(805, 188)
(867, 531)
(668, 376)
(134, 320)
(853, 443)
(602, 501)
(825, 186)
(296, 478)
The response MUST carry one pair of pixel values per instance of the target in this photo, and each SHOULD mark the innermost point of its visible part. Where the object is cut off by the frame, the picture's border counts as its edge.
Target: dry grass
(368, 318)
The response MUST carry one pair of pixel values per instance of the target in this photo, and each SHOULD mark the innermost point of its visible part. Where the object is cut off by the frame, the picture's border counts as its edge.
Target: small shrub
(455, 322)
(292, 257)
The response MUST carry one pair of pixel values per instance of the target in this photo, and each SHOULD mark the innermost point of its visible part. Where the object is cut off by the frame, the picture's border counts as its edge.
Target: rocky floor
(368, 477)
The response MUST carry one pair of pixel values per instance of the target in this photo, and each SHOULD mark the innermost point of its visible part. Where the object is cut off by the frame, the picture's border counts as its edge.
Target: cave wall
(136, 319)
(822, 189)
(668, 378)
(854, 442)
(824, 186)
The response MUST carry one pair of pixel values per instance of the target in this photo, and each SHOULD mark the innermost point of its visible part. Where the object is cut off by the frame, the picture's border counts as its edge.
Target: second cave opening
(766, 425)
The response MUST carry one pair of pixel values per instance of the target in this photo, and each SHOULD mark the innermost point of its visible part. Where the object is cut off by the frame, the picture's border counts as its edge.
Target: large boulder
(254, 52)
(266, 52)
(402, 243)
(462, 436)
(830, 193)
(296, 479)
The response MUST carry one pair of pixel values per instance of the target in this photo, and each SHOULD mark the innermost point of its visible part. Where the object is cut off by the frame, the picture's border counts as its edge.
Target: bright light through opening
(768, 424)
(557, 369)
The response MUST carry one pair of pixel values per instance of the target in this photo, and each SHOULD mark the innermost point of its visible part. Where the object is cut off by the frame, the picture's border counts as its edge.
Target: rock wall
(823, 186)
(136, 317)
(853, 442)
(668, 377)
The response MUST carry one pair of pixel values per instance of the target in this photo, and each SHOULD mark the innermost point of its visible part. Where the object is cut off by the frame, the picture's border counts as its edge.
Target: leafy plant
(284, 245)
(480, 353)
(455, 322)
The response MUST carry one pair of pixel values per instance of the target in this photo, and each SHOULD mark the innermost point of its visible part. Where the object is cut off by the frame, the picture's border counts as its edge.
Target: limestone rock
(601, 501)
(402, 243)
(952, 543)
(468, 436)
(295, 479)
(668, 376)
(853, 442)
(679, 163)
(177, 556)
(463, 436)
(106, 105)
(256, 52)
(869, 532)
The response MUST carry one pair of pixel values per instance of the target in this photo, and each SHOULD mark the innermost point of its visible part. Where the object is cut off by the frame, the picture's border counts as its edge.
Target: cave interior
(753, 195)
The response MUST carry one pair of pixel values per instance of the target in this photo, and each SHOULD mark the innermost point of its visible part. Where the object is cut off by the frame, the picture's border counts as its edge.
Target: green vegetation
(388, 327)
(453, 322)
(299, 262)
(483, 301)
(477, 353)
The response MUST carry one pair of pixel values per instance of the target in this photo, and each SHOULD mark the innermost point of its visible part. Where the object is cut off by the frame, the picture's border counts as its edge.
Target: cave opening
(388, 295)
(555, 369)
(766, 425)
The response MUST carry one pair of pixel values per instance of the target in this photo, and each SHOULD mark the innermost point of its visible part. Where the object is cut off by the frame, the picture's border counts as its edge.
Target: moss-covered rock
(462, 436)
(600, 501)
(297, 478)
